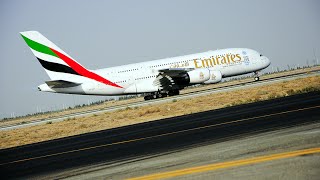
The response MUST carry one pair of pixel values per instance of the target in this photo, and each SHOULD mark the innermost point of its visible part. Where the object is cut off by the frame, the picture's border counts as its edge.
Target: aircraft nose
(266, 61)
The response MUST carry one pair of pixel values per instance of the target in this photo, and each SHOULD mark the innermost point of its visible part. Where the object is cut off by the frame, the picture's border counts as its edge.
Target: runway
(67, 157)
(228, 164)
(168, 99)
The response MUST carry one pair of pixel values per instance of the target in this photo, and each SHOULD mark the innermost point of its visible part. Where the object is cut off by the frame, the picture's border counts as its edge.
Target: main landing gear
(157, 95)
(256, 76)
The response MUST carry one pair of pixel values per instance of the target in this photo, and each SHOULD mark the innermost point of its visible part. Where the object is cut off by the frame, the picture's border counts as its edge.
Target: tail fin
(50, 56)
(58, 64)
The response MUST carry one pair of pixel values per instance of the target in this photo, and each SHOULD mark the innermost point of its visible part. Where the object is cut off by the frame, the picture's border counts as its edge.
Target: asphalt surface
(158, 137)
(162, 100)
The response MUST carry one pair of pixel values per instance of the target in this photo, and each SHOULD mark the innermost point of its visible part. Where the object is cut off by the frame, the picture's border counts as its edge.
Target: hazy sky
(101, 34)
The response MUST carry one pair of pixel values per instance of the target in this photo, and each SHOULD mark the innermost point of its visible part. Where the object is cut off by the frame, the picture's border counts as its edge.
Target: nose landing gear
(256, 76)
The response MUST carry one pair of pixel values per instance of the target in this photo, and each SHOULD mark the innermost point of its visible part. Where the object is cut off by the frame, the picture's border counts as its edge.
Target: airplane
(154, 79)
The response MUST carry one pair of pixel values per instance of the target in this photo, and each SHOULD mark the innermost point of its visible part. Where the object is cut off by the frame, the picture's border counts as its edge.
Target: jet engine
(198, 76)
(215, 77)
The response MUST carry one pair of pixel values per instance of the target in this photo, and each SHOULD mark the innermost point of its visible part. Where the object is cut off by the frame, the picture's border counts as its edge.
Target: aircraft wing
(167, 79)
(174, 71)
(61, 84)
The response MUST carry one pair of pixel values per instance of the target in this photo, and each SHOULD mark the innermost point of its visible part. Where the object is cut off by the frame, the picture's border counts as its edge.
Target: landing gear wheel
(174, 92)
(256, 76)
(170, 93)
(146, 98)
(154, 96)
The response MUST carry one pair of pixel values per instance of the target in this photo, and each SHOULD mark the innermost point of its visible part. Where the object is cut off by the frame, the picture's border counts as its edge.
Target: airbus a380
(154, 79)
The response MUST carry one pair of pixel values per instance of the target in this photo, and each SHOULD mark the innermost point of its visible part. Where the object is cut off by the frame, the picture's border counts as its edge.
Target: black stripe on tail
(57, 67)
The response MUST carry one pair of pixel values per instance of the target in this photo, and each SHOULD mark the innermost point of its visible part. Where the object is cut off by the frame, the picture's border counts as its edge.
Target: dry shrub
(121, 116)
(152, 110)
(273, 95)
(256, 98)
(262, 92)
(82, 126)
(291, 92)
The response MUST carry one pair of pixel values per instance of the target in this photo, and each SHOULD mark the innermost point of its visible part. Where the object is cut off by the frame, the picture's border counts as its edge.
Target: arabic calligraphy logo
(246, 60)
(213, 77)
(201, 75)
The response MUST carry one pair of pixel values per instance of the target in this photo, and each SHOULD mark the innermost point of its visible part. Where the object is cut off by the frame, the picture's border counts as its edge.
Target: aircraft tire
(154, 96)
(146, 98)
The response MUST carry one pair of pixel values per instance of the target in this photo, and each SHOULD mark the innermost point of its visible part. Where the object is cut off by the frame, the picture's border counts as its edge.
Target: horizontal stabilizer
(61, 84)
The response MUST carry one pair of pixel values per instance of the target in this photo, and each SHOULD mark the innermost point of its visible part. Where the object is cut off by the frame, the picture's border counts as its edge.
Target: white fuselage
(140, 77)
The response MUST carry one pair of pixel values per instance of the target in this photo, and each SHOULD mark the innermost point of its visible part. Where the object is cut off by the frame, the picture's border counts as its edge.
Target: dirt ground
(130, 116)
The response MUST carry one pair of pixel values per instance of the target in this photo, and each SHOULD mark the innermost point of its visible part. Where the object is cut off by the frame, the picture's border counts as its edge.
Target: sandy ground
(130, 116)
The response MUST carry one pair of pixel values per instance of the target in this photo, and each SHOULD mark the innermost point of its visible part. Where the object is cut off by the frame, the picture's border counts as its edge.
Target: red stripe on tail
(83, 71)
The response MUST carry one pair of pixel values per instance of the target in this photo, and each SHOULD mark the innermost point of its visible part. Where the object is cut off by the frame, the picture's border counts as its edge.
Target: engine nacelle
(142, 87)
(199, 76)
(215, 77)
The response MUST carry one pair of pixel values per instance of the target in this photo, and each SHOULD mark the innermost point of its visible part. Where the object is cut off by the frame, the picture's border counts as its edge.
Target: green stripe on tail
(38, 47)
